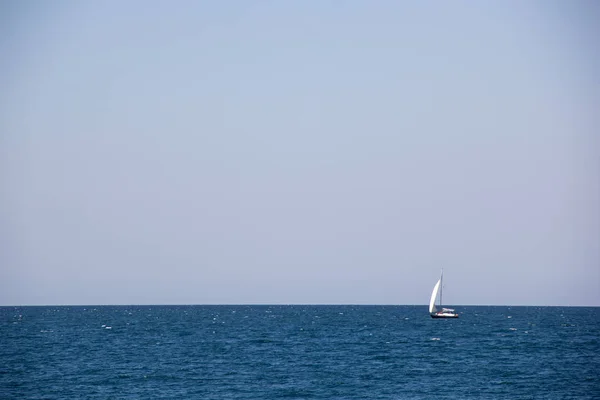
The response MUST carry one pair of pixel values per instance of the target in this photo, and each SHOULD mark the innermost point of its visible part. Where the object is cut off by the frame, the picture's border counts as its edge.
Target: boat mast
(441, 286)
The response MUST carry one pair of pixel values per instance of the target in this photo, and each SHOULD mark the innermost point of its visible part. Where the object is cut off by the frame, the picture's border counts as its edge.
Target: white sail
(434, 295)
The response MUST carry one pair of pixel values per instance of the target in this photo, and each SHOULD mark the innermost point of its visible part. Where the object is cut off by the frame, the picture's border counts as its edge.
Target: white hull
(444, 315)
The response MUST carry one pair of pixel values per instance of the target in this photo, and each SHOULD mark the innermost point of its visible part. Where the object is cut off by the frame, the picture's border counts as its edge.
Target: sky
(299, 152)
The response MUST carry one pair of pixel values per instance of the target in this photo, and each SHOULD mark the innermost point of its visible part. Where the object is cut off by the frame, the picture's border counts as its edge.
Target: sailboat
(433, 310)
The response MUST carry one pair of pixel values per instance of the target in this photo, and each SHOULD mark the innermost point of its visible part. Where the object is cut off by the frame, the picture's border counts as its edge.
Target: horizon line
(283, 304)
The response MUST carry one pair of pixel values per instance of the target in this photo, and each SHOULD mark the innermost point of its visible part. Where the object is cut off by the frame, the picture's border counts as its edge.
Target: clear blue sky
(299, 152)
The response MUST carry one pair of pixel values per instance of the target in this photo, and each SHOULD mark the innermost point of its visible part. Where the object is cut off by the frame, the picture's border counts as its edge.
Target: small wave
(513, 329)
(435, 338)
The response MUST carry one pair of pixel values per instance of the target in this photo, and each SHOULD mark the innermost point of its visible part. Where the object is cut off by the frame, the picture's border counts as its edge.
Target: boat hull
(444, 315)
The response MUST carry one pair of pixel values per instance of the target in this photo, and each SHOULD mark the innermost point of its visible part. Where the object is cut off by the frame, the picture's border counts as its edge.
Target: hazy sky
(299, 152)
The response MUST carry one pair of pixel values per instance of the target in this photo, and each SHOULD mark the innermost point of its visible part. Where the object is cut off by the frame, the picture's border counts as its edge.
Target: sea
(298, 352)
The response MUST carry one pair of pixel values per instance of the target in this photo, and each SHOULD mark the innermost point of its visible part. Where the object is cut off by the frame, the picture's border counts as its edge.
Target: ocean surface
(298, 352)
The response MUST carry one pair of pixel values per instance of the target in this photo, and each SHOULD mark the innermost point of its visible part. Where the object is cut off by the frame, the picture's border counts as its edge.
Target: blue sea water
(298, 352)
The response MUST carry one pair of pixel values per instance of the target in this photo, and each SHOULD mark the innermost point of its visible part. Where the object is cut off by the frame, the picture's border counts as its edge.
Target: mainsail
(434, 294)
